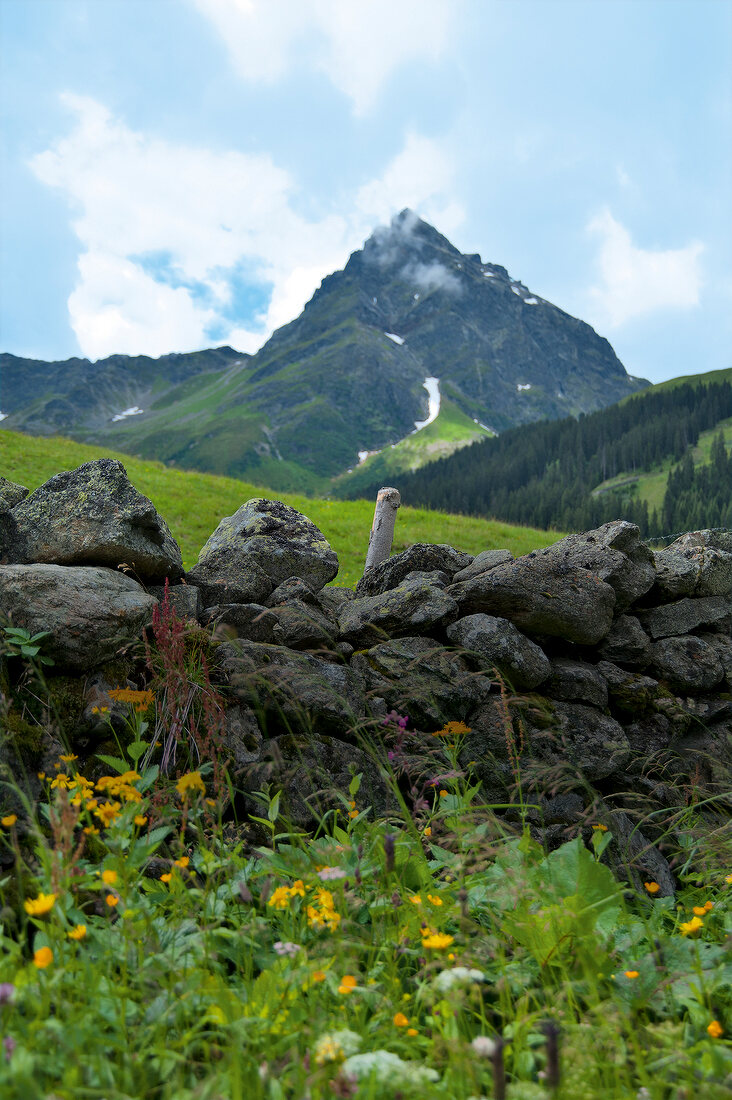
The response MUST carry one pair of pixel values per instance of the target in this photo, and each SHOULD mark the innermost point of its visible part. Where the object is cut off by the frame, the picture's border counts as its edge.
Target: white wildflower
(334, 1046)
(289, 949)
(458, 976)
(385, 1068)
(483, 1046)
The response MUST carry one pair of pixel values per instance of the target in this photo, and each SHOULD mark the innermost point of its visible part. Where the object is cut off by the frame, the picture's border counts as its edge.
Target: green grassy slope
(193, 504)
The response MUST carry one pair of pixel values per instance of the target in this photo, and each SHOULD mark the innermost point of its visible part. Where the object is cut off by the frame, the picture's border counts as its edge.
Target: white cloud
(138, 200)
(358, 45)
(634, 281)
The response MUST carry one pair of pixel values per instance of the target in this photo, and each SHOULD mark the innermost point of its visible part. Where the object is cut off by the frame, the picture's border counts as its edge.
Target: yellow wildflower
(182, 862)
(415, 899)
(348, 984)
(400, 1020)
(110, 877)
(67, 757)
(652, 887)
(8, 821)
(77, 932)
(437, 940)
(687, 928)
(411, 1032)
(428, 831)
(443, 793)
(108, 812)
(317, 976)
(715, 1029)
(280, 898)
(298, 887)
(38, 907)
(600, 828)
(43, 957)
(191, 781)
(140, 819)
(708, 905)
(140, 700)
(631, 973)
(434, 900)
(166, 877)
(112, 900)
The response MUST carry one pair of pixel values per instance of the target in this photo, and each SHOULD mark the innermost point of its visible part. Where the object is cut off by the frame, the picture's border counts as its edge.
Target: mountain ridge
(344, 377)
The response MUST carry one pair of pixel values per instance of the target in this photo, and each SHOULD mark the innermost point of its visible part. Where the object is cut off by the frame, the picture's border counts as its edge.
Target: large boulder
(687, 663)
(496, 644)
(93, 515)
(626, 643)
(685, 615)
(263, 544)
(11, 494)
(421, 557)
(585, 742)
(541, 594)
(698, 563)
(90, 611)
(614, 553)
(414, 606)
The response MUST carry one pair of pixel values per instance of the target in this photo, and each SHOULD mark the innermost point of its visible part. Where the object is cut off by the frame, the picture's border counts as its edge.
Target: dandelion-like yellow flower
(428, 831)
(708, 905)
(689, 927)
(317, 976)
(112, 900)
(140, 700)
(9, 821)
(110, 877)
(77, 932)
(182, 862)
(191, 781)
(42, 958)
(166, 877)
(411, 1032)
(434, 900)
(715, 1029)
(67, 757)
(632, 974)
(443, 793)
(416, 899)
(600, 828)
(140, 820)
(352, 814)
(728, 879)
(108, 812)
(400, 1020)
(298, 887)
(348, 984)
(38, 907)
(437, 940)
(652, 887)
(280, 898)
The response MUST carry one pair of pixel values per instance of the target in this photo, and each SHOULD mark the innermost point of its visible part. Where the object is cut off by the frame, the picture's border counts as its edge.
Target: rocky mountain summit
(597, 668)
(408, 328)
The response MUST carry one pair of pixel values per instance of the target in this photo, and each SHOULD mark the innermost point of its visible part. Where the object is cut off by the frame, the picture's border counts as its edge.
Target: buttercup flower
(652, 887)
(400, 1020)
(38, 907)
(631, 973)
(8, 821)
(437, 940)
(689, 927)
(77, 932)
(112, 900)
(110, 877)
(191, 781)
(715, 1029)
(348, 984)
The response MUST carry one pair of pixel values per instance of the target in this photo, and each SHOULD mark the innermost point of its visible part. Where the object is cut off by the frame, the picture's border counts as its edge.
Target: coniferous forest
(543, 474)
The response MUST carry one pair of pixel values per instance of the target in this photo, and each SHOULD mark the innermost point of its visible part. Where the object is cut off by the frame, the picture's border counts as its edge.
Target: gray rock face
(481, 563)
(496, 643)
(576, 682)
(91, 612)
(423, 557)
(11, 494)
(294, 588)
(686, 615)
(292, 691)
(94, 515)
(251, 621)
(582, 739)
(696, 564)
(184, 599)
(722, 646)
(418, 677)
(413, 607)
(541, 595)
(263, 544)
(301, 626)
(688, 664)
(614, 553)
(626, 643)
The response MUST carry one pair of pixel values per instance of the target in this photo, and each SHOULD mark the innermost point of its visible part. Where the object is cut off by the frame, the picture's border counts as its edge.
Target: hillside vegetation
(659, 459)
(193, 504)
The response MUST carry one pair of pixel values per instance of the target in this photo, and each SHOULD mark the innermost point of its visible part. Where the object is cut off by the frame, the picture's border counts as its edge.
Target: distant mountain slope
(346, 376)
(617, 462)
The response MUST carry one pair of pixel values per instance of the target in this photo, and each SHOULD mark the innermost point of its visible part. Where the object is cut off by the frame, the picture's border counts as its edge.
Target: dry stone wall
(596, 670)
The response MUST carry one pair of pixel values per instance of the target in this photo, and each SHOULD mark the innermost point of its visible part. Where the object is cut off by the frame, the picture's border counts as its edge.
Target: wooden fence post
(382, 529)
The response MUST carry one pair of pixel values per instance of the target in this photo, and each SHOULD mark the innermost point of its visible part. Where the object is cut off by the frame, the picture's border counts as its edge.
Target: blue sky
(182, 173)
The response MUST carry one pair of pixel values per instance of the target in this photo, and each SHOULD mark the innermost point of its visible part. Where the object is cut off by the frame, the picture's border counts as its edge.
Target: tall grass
(157, 941)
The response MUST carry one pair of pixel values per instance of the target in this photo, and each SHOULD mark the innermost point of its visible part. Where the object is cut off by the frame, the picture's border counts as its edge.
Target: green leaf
(273, 809)
(137, 749)
(120, 766)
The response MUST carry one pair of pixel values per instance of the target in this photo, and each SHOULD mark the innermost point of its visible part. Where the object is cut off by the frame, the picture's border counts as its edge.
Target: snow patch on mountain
(432, 385)
(132, 411)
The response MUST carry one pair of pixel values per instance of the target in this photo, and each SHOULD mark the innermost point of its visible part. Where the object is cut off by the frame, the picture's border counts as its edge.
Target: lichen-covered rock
(481, 563)
(183, 599)
(415, 606)
(291, 691)
(495, 643)
(94, 515)
(422, 557)
(11, 494)
(300, 625)
(626, 643)
(614, 553)
(686, 663)
(576, 682)
(251, 621)
(584, 741)
(293, 588)
(419, 677)
(635, 858)
(698, 563)
(541, 595)
(90, 612)
(263, 544)
(685, 615)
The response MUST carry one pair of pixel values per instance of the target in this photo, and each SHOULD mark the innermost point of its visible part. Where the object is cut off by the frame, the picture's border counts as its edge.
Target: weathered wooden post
(382, 529)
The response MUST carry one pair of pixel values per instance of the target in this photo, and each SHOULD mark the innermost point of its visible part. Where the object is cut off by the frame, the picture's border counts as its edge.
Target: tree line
(543, 474)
